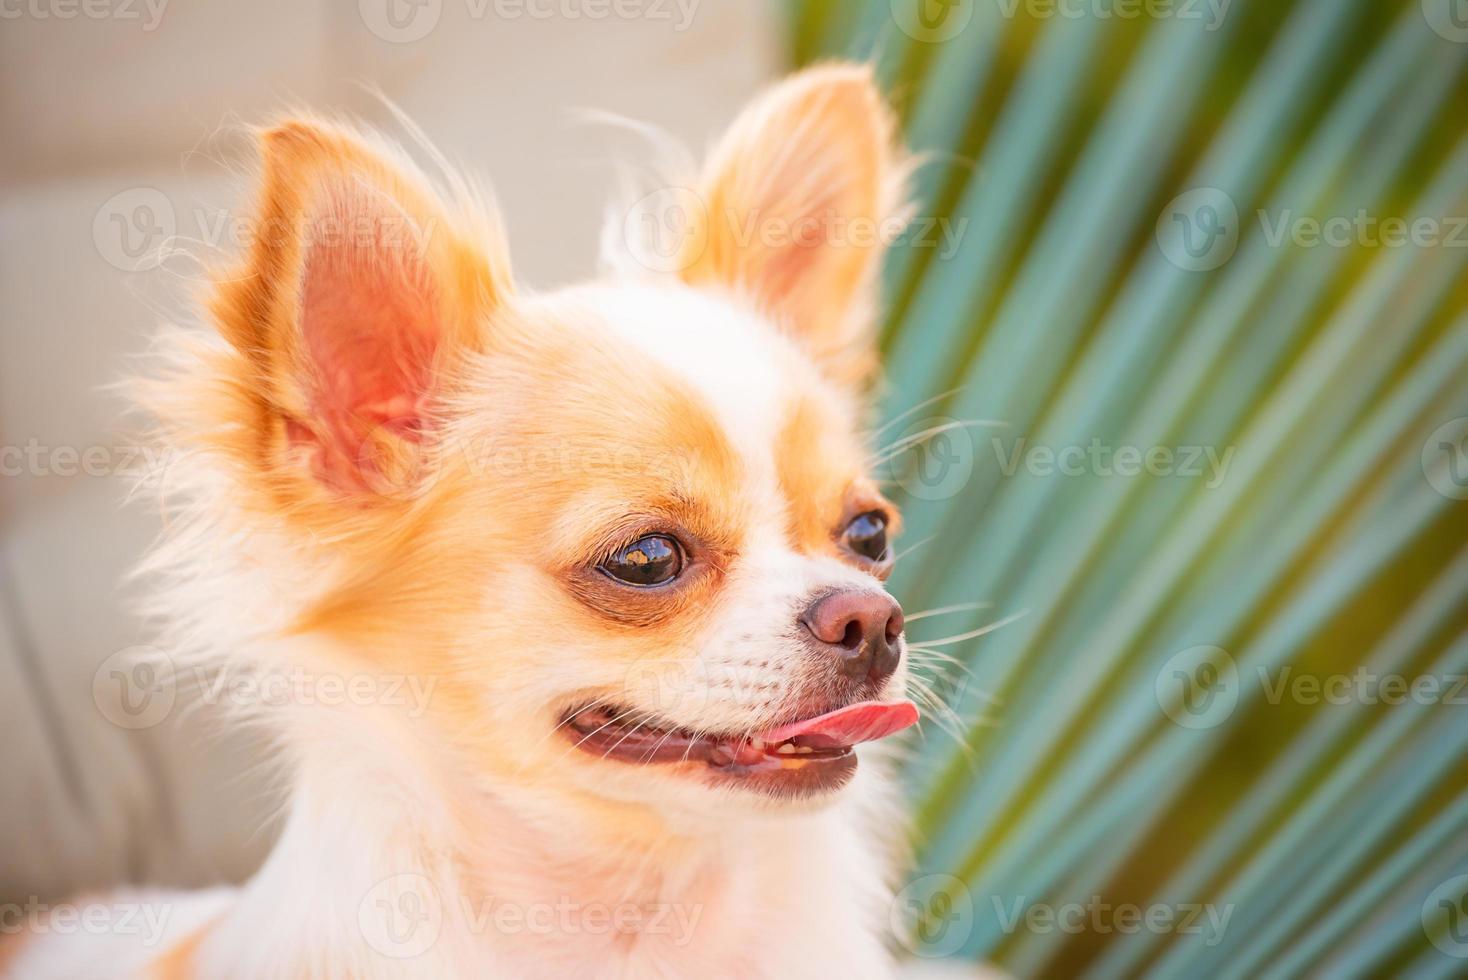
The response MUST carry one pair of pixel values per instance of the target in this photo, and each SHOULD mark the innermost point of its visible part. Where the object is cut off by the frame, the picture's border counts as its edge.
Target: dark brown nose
(861, 628)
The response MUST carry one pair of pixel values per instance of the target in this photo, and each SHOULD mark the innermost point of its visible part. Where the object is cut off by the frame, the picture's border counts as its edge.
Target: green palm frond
(1118, 247)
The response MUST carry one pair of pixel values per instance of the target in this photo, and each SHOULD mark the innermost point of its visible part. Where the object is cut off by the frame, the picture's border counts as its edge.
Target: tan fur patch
(822, 476)
(179, 962)
(11, 946)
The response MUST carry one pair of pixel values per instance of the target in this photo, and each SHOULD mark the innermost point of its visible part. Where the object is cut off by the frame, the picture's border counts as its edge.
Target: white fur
(383, 819)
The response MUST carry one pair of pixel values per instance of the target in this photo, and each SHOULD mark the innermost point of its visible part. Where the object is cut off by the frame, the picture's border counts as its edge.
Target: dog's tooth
(786, 748)
(757, 745)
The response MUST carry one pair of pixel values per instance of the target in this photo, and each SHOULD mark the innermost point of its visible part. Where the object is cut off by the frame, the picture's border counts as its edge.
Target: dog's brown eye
(654, 560)
(866, 536)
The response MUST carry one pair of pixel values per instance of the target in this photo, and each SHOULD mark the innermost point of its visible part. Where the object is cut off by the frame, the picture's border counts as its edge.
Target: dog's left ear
(798, 202)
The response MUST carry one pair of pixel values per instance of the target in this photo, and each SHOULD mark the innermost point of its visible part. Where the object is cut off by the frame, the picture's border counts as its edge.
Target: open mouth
(802, 758)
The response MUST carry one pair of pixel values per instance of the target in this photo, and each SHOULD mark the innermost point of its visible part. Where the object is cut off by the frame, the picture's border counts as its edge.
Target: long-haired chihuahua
(623, 533)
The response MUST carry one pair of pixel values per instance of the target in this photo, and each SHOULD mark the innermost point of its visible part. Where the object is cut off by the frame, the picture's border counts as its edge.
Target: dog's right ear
(358, 295)
(796, 206)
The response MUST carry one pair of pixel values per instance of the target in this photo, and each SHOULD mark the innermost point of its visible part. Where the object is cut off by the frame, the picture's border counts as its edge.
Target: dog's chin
(682, 796)
(801, 764)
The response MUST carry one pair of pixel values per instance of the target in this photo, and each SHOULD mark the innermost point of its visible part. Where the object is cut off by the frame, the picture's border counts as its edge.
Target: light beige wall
(126, 120)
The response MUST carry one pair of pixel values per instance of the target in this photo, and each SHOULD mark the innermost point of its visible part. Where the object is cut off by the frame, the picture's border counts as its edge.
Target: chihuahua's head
(628, 527)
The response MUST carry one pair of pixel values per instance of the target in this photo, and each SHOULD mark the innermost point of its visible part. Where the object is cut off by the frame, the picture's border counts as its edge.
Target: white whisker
(917, 408)
(930, 658)
(945, 610)
(910, 549)
(902, 445)
(971, 634)
(628, 734)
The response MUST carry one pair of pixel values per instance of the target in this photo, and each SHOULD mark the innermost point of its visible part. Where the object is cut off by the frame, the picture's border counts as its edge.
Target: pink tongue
(865, 721)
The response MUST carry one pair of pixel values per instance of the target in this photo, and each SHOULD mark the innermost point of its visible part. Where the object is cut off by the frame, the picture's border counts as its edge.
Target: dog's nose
(861, 628)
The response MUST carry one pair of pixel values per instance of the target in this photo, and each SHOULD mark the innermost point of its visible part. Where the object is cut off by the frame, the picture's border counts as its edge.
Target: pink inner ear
(371, 328)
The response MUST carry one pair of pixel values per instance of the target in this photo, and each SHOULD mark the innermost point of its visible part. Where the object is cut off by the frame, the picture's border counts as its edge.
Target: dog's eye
(654, 560)
(866, 536)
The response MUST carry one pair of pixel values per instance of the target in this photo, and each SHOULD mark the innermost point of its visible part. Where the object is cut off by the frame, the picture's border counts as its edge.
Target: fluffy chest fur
(532, 892)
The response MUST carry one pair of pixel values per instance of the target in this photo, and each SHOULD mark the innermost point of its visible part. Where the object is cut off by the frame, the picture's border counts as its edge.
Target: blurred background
(1176, 411)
